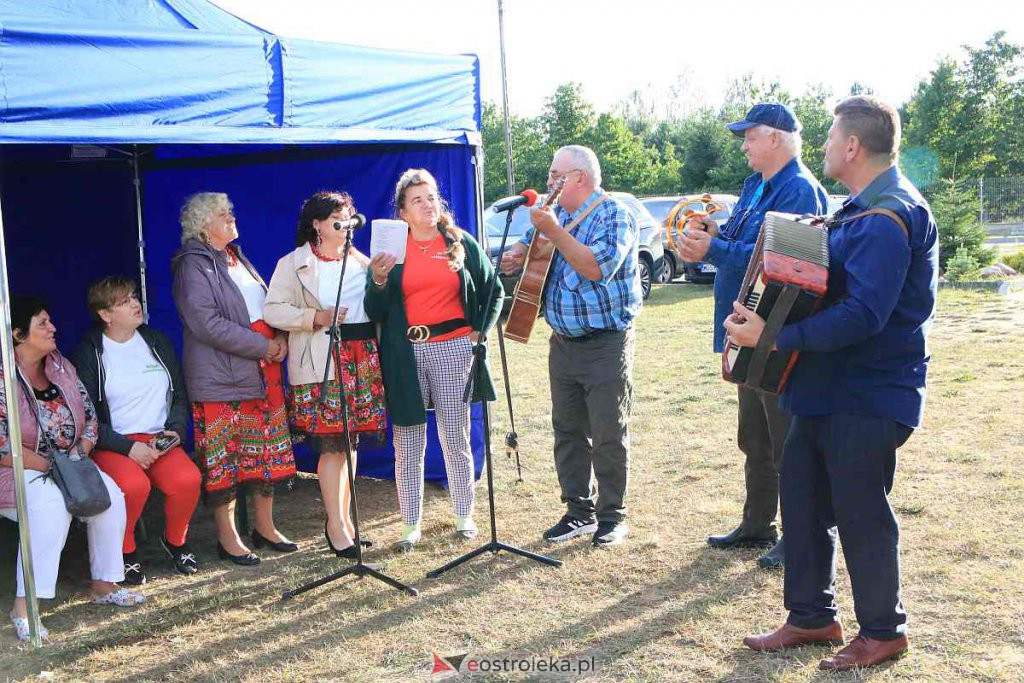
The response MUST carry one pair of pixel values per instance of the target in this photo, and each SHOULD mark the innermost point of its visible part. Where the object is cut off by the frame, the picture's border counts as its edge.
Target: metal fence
(1001, 211)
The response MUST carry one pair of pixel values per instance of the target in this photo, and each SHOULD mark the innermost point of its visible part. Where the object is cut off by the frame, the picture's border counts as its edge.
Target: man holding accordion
(856, 394)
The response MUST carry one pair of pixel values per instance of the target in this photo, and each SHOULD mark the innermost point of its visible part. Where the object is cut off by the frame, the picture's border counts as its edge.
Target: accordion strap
(888, 213)
(776, 319)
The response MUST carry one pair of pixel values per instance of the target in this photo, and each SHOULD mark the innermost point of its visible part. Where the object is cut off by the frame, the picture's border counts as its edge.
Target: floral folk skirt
(245, 442)
(323, 426)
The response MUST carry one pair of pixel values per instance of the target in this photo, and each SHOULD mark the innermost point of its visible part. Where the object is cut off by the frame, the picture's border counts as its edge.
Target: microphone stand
(360, 568)
(479, 357)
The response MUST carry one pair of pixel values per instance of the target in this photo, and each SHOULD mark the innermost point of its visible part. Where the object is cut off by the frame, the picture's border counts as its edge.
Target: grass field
(664, 607)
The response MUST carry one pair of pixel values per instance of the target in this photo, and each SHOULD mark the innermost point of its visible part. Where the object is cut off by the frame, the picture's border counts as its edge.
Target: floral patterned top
(56, 419)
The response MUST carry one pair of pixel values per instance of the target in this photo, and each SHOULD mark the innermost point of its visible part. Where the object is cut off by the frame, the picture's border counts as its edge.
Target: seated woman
(303, 292)
(134, 380)
(432, 309)
(232, 362)
(55, 414)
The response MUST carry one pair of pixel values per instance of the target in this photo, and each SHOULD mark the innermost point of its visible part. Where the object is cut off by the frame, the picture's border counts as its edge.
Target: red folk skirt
(245, 442)
(323, 426)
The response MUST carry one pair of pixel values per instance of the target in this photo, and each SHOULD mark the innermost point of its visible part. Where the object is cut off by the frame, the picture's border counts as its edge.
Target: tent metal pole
(509, 165)
(14, 439)
(137, 182)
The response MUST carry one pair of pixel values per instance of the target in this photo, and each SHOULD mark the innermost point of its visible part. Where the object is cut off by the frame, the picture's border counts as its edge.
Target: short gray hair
(584, 159)
(197, 212)
(790, 140)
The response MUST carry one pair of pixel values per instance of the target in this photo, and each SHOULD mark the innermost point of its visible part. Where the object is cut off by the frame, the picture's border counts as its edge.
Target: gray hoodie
(222, 353)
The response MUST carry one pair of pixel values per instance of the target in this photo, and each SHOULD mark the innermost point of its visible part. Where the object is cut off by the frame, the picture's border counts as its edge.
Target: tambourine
(681, 219)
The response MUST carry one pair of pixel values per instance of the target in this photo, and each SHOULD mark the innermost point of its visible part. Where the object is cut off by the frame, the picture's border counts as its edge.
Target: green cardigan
(386, 305)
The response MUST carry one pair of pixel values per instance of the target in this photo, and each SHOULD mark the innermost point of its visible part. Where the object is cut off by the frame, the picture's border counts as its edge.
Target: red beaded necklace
(321, 256)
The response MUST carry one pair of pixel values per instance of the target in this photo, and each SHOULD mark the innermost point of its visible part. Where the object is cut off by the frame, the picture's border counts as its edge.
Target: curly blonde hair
(445, 223)
(198, 211)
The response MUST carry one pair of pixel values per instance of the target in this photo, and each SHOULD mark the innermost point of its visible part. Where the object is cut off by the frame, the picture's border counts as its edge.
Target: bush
(962, 267)
(955, 207)
(1015, 261)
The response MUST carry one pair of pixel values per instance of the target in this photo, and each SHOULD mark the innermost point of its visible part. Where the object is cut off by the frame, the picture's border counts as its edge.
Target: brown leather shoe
(792, 636)
(864, 651)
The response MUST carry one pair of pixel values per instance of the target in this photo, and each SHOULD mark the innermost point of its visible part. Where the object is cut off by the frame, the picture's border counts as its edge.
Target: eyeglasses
(134, 297)
(555, 175)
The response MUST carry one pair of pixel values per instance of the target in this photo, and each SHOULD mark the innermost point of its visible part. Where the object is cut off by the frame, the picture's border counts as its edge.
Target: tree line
(958, 126)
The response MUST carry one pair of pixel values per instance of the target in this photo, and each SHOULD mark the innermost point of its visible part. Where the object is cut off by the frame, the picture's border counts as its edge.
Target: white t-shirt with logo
(252, 290)
(329, 272)
(135, 385)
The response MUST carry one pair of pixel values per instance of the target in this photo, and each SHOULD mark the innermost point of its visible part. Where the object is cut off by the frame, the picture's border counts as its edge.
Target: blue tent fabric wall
(267, 189)
(216, 104)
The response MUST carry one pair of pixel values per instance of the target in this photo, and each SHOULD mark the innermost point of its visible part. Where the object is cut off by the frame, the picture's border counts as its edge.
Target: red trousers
(173, 473)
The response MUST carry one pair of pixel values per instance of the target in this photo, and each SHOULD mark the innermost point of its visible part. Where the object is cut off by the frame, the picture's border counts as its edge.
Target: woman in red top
(433, 308)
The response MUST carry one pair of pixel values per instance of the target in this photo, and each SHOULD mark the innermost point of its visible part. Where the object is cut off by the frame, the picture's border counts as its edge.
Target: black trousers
(761, 435)
(837, 472)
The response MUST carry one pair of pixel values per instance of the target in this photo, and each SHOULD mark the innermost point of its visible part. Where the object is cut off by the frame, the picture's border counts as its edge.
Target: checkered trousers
(442, 369)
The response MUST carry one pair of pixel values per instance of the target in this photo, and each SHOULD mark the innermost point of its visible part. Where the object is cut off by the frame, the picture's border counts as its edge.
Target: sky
(615, 47)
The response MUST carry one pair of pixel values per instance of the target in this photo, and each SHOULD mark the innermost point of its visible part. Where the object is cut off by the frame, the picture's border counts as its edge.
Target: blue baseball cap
(771, 114)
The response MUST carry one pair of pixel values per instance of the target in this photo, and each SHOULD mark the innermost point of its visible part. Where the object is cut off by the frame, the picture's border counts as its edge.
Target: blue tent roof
(185, 71)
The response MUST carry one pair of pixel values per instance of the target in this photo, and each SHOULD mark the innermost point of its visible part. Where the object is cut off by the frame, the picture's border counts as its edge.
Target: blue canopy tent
(113, 111)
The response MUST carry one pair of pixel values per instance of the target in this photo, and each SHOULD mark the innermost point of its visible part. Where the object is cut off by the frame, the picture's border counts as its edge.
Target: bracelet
(379, 284)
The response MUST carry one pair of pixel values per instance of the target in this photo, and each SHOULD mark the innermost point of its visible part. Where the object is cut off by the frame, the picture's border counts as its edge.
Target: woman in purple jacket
(232, 364)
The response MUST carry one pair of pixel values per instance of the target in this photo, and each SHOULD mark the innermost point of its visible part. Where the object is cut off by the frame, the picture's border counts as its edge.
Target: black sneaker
(133, 574)
(182, 556)
(569, 527)
(610, 534)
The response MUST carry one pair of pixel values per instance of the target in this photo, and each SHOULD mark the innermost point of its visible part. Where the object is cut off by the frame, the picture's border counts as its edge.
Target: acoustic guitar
(530, 290)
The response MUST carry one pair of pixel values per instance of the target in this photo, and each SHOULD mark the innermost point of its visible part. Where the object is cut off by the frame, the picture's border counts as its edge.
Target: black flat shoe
(365, 542)
(246, 560)
(259, 541)
(738, 539)
(776, 557)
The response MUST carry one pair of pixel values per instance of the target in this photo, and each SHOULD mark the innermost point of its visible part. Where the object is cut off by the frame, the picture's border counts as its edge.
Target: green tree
(955, 207)
(530, 153)
(568, 117)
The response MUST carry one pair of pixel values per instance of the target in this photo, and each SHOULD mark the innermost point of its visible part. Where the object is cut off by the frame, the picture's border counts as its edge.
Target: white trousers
(48, 524)
(442, 369)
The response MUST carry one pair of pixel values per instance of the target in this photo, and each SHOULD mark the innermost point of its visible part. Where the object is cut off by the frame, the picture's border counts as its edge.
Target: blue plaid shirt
(575, 306)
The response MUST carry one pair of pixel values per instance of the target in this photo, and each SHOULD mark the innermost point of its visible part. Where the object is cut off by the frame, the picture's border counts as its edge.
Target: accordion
(785, 282)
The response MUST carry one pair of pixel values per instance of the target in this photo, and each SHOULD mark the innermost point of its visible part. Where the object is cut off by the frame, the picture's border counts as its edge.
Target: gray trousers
(761, 436)
(591, 400)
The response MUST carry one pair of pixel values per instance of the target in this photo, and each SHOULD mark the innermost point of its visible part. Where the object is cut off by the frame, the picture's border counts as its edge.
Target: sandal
(121, 597)
(21, 628)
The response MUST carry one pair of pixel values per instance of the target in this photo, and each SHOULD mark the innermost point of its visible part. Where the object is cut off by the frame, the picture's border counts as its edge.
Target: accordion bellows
(785, 282)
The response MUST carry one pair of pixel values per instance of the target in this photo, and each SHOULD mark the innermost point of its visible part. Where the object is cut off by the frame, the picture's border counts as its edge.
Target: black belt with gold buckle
(418, 334)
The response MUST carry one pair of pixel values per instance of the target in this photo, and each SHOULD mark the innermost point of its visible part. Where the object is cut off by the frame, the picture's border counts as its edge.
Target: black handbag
(77, 476)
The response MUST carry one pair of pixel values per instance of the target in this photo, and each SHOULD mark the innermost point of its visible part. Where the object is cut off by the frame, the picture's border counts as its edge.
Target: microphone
(524, 198)
(357, 221)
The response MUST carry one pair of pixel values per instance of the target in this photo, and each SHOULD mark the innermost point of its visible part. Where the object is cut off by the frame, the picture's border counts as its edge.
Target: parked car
(674, 264)
(651, 250)
(835, 202)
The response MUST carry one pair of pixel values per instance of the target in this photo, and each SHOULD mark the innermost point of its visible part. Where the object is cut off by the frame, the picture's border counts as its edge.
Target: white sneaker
(465, 527)
(410, 537)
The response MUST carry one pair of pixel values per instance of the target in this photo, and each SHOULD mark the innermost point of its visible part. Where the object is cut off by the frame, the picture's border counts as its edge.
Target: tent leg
(14, 437)
(137, 182)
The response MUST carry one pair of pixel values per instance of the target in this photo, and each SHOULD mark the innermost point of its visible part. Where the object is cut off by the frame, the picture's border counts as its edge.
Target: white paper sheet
(388, 236)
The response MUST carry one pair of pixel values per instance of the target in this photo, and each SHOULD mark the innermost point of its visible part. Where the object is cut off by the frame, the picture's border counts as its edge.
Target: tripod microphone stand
(360, 568)
(479, 351)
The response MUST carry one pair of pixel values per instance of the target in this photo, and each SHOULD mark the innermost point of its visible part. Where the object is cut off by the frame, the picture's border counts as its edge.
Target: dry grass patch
(663, 607)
